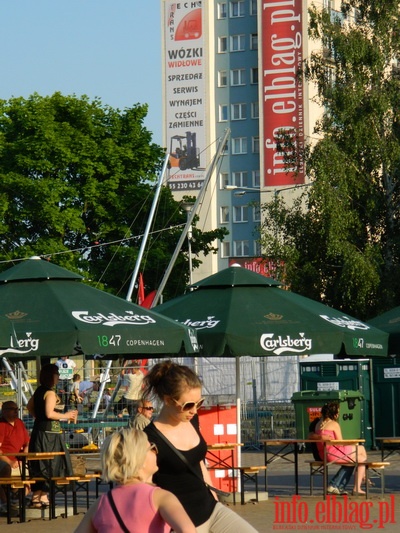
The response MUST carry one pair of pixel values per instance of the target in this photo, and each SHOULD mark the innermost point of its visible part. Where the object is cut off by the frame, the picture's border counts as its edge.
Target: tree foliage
(341, 240)
(77, 184)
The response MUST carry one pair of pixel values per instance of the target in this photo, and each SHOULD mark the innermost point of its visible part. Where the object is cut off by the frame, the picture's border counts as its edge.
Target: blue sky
(109, 49)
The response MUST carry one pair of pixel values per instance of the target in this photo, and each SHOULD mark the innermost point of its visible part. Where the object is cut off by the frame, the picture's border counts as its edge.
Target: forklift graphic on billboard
(183, 153)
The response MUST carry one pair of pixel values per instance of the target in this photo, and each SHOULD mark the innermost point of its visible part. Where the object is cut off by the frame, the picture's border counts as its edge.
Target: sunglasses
(189, 406)
(148, 408)
(153, 448)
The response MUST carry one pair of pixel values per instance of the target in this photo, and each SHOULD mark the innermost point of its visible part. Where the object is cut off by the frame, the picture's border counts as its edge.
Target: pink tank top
(135, 505)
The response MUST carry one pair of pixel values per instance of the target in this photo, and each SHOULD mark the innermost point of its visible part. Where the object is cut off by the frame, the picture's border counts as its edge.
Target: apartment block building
(231, 65)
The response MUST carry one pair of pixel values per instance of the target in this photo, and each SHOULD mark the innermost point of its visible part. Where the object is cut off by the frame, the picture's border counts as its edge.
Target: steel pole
(190, 218)
(147, 230)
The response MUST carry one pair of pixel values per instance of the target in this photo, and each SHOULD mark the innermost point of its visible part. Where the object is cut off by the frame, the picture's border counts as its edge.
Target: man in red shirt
(14, 438)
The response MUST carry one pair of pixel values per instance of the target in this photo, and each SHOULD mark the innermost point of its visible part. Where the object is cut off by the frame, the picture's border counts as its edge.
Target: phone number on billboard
(185, 185)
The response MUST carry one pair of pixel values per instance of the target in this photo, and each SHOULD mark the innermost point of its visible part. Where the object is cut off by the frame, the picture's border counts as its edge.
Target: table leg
(266, 465)
(233, 476)
(325, 473)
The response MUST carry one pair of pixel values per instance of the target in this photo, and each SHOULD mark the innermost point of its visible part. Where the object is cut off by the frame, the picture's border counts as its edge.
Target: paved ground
(284, 511)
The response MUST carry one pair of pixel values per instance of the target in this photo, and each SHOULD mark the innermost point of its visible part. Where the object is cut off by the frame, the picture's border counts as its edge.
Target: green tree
(77, 183)
(340, 241)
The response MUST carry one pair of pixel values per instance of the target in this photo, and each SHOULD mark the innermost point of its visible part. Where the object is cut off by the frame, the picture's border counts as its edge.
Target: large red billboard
(282, 89)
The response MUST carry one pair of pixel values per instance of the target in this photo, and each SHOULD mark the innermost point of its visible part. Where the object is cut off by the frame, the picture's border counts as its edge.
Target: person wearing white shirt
(66, 369)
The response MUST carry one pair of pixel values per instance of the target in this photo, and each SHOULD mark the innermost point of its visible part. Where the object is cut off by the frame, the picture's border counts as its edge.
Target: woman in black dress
(47, 434)
(179, 389)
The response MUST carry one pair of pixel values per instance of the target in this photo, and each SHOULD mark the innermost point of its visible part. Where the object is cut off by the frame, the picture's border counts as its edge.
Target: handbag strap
(188, 465)
(118, 516)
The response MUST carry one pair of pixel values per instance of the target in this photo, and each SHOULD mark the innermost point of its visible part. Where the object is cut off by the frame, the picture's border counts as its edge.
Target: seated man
(144, 415)
(14, 438)
(86, 388)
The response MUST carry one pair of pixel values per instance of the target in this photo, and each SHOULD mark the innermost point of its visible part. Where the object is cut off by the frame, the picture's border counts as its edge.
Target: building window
(223, 180)
(225, 148)
(224, 215)
(254, 41)
(222, 11)
(238, 43)
(240, 213)
(257, 213)
(222, 78)
(257, 248)
(239, 179)
(238, 76)
(238, 111)
(255, 145)
(241, 248)
(255, 110)
(254, 76)
(253, 7)
(237, 8)
(226, 249)
(239, 145)
(255, 178)
(222, 45)
(223, 113)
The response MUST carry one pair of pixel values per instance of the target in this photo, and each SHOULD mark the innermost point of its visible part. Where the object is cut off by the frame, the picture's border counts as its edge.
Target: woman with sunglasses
(177, 426)
(135, 505)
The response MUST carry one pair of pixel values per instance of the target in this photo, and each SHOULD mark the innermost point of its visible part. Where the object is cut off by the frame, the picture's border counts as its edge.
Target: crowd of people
(157, 463)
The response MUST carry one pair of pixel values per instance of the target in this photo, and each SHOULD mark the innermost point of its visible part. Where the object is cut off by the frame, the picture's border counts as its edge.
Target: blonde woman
(328, 428)
(135, 505)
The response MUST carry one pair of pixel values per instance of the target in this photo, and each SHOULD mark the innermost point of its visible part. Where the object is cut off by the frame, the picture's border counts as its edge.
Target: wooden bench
(99, 481)
(317, 467)
(58, 484)
(16, 483)
(249, 473)
(82, 484)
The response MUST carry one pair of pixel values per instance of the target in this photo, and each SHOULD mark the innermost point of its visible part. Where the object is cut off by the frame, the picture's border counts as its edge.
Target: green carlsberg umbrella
(238, 312)
(54, 313)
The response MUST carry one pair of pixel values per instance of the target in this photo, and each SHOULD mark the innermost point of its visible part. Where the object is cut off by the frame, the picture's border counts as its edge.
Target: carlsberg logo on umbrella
(30, 344)
(285, 344)
(345, 322)
(112, 319)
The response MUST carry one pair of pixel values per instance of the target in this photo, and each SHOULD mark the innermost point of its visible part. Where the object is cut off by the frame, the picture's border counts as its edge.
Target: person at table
(129, 460)
(144, 415)
(179, 390)
(329, 428)
(338, 483)
(47, 434)
(86, 389)
(14, 438)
